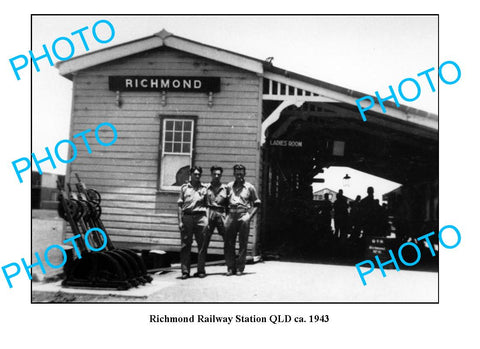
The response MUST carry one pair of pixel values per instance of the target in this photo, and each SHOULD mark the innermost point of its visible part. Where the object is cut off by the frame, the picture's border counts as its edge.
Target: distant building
(392, 196)
(44, 190)
(319, 195)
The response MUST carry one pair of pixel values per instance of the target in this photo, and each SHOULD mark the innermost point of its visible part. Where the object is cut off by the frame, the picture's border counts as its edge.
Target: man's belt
(194, 213)
(238, 209)
(217, 208)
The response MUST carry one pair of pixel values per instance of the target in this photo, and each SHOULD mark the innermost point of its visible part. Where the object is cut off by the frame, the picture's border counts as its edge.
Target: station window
(177, 151)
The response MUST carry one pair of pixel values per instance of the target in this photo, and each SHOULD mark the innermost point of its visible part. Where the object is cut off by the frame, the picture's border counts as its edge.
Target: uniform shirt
(242, 196)
(191, 199)
(217, 196)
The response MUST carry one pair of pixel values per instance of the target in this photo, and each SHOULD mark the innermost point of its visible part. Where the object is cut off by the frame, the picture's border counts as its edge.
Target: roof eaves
(88, 60)
(352, 93)
(215, 53)
(162, 38)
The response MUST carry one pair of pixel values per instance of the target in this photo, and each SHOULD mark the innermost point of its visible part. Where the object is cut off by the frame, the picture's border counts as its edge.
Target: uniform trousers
(234, 226)
(193, 225)
(216, 220)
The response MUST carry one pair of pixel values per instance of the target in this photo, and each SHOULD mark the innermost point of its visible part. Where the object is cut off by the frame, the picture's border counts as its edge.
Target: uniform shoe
(185, 276)
(230, 272)
(239, 273)
(200, 275)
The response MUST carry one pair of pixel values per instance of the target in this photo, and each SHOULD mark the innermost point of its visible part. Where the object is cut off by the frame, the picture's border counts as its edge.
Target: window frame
(161, 145)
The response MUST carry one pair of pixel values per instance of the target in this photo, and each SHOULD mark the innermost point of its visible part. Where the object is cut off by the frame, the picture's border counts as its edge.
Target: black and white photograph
(214, 174)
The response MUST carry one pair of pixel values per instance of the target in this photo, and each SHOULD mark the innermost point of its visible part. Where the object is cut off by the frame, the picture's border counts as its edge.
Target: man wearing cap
(192, 220)
(243, 203)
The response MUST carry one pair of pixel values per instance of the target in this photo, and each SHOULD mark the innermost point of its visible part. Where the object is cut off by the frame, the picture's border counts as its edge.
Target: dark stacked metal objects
(108, 268)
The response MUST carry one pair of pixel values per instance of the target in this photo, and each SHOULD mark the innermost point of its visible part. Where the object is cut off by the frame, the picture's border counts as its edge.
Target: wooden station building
(175, 102)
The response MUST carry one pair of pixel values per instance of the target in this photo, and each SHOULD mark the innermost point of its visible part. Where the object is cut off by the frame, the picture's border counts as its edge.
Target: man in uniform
(243, 203)
(192, 220)
(217, 203)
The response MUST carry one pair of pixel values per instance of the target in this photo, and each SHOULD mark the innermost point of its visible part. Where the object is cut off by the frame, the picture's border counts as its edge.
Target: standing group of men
(359, 218)
(228, 208)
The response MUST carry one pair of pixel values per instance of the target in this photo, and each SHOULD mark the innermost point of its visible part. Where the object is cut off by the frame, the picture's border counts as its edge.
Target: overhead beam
(279, 97)
(275, 115)
(411, 117)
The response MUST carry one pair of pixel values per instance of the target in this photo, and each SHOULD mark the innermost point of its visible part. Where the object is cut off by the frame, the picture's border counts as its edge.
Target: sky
(364, 53)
